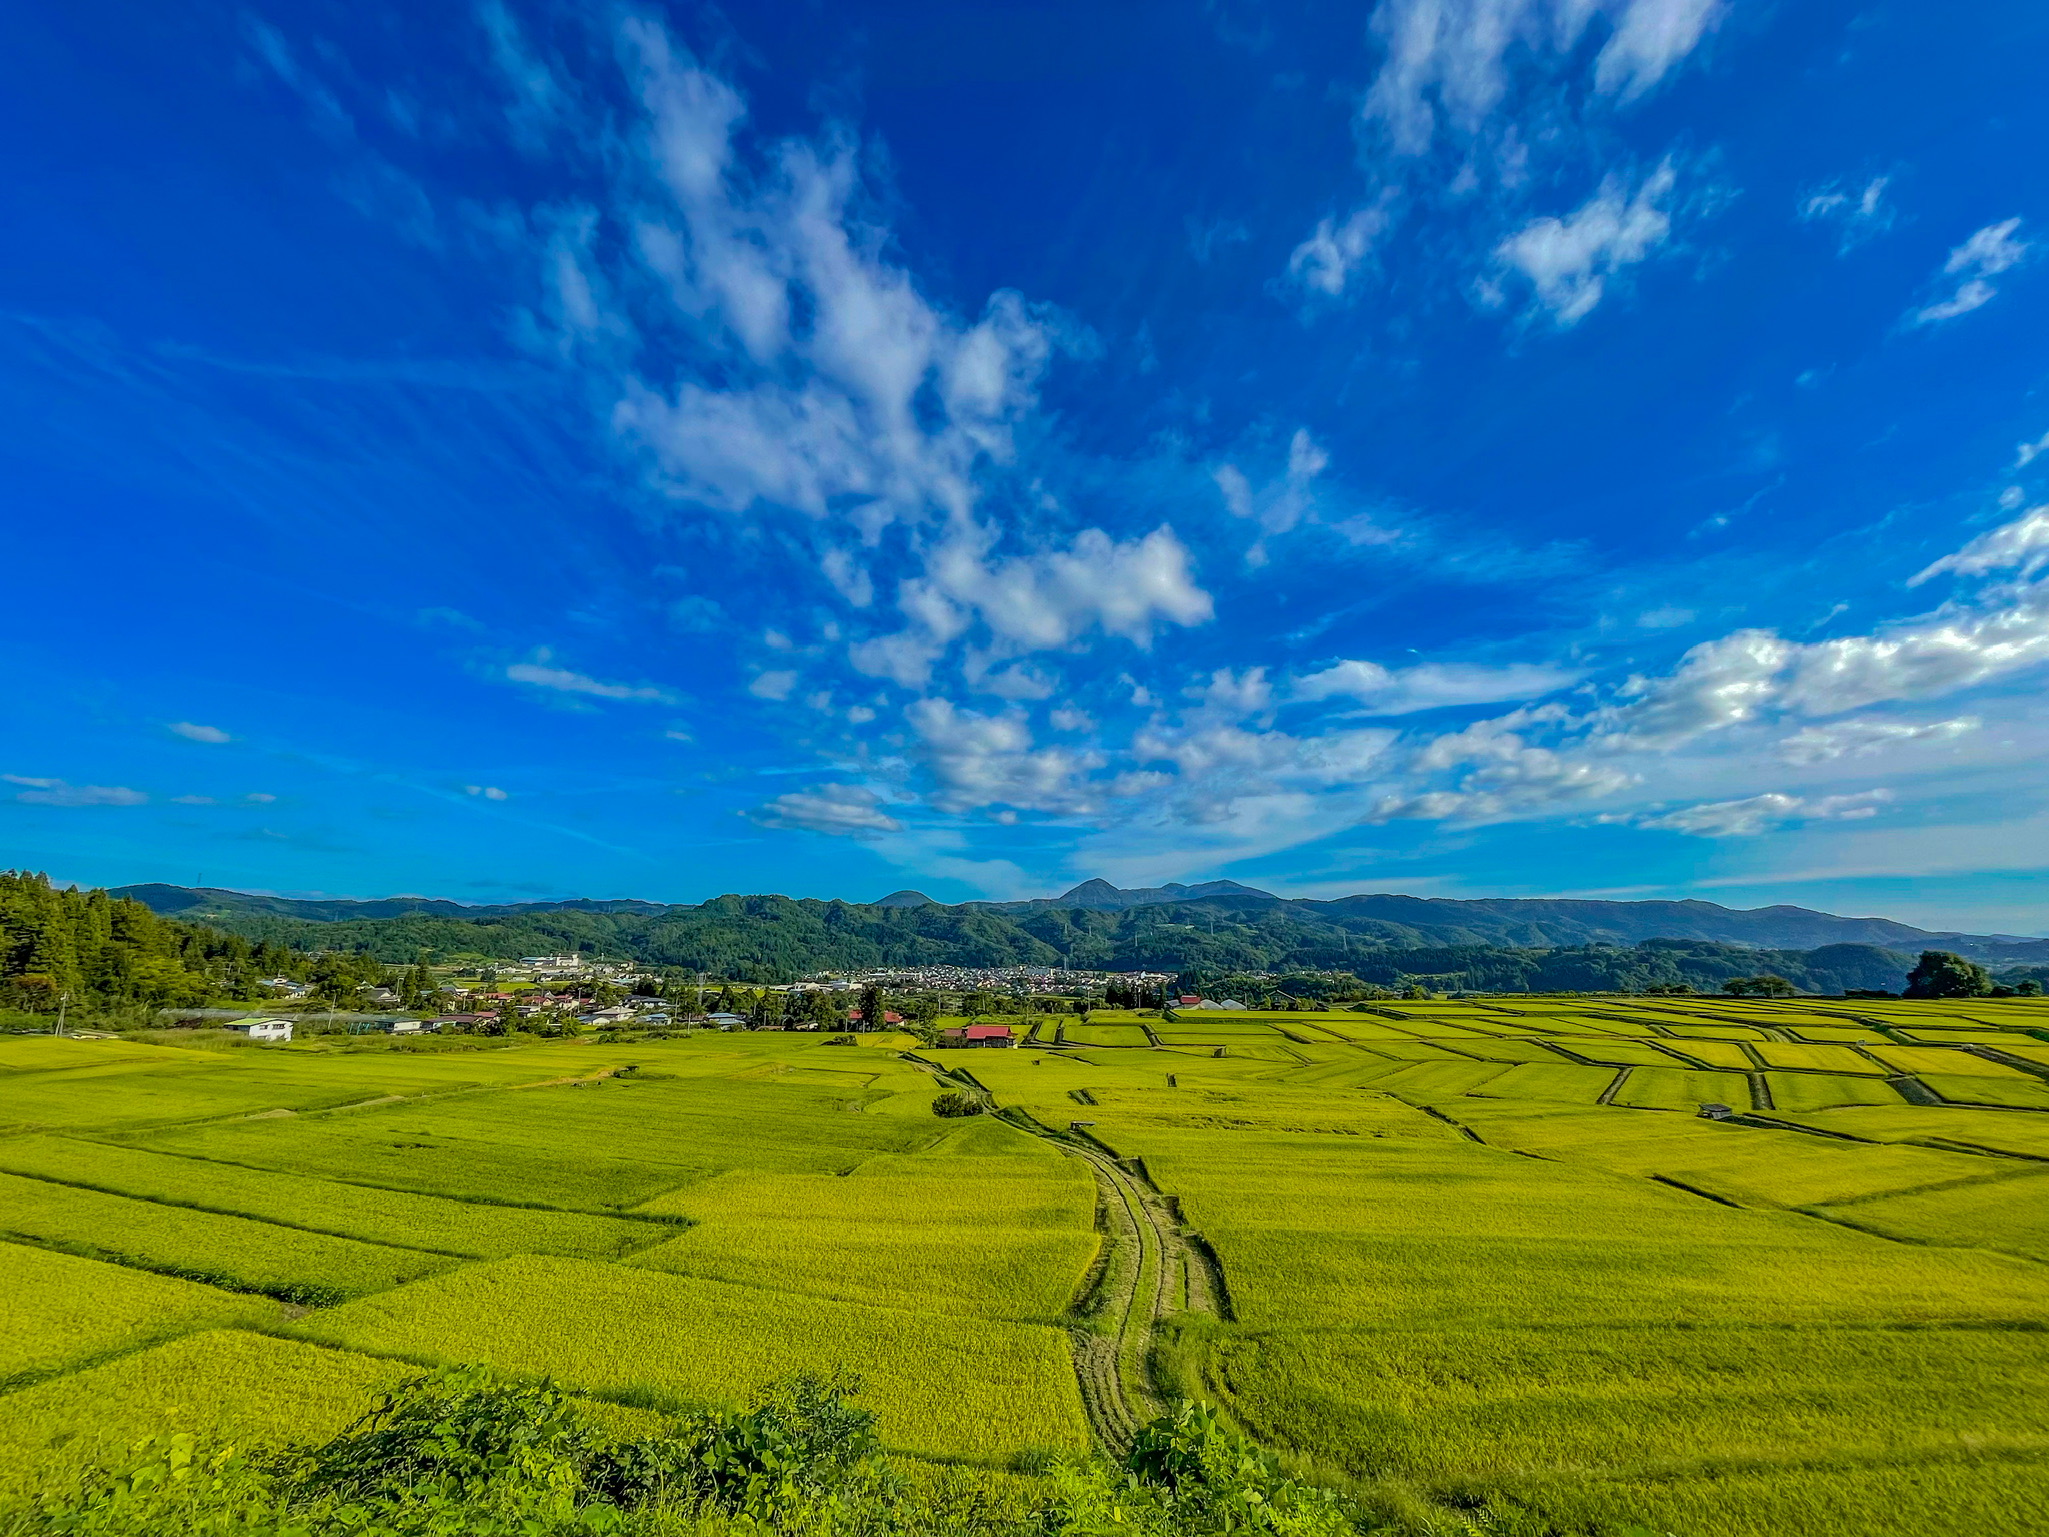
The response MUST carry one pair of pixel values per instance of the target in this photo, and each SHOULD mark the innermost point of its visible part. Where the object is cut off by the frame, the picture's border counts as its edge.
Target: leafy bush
(954, 1103)
(461, 1454)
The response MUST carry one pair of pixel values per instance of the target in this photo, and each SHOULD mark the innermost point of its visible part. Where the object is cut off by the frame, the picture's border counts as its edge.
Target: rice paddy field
(1457, 1252)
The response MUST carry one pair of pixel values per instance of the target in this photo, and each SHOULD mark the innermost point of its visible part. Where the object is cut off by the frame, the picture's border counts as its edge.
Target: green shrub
(954, 1103)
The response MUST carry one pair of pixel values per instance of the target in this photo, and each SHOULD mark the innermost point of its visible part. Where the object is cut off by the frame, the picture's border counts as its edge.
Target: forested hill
(94, 949)
(1508, 944)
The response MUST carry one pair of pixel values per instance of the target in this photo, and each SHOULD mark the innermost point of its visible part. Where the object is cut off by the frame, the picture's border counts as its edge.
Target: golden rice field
(1476, 1251)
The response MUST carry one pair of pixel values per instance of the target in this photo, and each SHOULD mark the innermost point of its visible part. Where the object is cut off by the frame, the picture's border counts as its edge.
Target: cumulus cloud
(845, 810)
(2028, 453)
(563, 681)
(1743, 676)
(483, 792)
(978, 761)
(55, 792)
(1858, 214)
(1569, 261)
(1035, 602)
(1543, 758)
(1449, 58)
(1718, 683)
(773, 685)
(1989, 252)
(1861, 738)
(1430, 686)
(1496, 771)
(197, 733)
(1756, 814)
(831, 385)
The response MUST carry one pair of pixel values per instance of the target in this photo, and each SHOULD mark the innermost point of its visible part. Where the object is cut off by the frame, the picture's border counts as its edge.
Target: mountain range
(1217, 924)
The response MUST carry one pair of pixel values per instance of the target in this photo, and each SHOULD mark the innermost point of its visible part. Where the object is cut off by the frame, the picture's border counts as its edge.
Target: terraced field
(1447, 1252)
(1511, 1259)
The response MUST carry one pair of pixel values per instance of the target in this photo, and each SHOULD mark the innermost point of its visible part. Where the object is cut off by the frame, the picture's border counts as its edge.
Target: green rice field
(1463, 1253)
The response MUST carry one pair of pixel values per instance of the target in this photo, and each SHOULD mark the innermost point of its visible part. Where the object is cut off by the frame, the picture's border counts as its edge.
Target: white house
(267, 1029)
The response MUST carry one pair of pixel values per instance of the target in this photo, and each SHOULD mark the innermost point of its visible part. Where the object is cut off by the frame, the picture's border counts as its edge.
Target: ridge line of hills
(1217, 927)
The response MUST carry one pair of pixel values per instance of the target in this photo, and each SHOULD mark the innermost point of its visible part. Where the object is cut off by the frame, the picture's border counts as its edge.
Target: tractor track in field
(1151, 1266)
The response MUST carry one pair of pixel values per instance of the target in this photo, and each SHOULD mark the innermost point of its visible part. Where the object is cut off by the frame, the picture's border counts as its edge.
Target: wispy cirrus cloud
(56, 792)
(1446, 61)
(1756, 814)
(193, 732)
(1989, 252)
(561, 680)
(1857, 213)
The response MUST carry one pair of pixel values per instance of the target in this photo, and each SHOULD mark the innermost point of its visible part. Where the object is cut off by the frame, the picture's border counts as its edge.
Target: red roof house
(980, 1035)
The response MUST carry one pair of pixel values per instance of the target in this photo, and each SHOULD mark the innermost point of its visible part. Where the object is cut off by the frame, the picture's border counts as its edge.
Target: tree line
(85, 949)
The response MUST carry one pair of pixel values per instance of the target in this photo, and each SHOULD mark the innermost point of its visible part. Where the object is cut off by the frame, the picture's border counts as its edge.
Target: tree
(1764, 986)
(1942, 974)
(873, 1013)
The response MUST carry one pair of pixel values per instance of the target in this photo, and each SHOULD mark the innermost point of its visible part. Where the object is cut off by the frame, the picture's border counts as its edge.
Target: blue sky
(1460, 447)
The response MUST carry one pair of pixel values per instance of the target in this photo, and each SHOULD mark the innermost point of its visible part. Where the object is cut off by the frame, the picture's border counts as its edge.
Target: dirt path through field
(1151, 1266)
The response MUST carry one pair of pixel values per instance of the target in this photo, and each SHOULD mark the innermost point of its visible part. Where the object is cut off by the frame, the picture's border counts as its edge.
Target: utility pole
(62, 1000)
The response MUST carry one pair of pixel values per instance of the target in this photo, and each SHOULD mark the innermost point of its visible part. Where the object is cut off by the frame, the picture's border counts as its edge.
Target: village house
(979, 1035)
(266, 1029)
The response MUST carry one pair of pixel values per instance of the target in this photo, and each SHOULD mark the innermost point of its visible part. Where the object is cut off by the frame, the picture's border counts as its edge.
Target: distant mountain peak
(1099, 893)
(904, 899)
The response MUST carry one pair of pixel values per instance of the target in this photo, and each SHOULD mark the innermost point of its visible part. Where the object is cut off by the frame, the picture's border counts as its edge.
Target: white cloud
(1718, 683)
(1863, 737)
(773, 685)
(1756, 814)
(486, 792)
(1450, 57)
(2028, 453)
(1502, 774)
(1037, 602)
(560, 679)
(834, 388)
(991, 760)
(1284, 501)
(1859, 214)
(1651, 36)
(263, 798)
(539, 97)
(1325, 262)
(1569, 261)
(55, 792)
(846, 810)
(1989, 252)
(197, 733)
(1745, 675)
(1017, 681)
(1431, 685)
(2021, 545)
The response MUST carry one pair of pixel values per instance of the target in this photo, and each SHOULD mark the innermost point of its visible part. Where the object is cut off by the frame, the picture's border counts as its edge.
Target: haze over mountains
(1373, 918)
